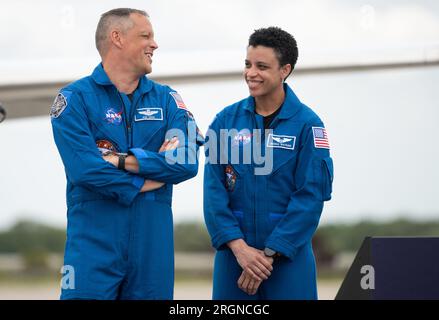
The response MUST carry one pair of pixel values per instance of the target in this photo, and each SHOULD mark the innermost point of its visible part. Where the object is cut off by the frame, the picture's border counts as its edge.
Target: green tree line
(28, 236)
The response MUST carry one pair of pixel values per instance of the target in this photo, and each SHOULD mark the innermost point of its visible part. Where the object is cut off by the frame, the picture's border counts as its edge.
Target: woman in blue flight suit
(262, 223)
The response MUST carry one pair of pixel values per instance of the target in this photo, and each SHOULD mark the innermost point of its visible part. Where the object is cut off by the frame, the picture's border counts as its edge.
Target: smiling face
(139, 45)
(263, 73)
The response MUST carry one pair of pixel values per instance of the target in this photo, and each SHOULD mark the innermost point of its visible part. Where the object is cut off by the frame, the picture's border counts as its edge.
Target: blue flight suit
(120, 241)
(279, 210)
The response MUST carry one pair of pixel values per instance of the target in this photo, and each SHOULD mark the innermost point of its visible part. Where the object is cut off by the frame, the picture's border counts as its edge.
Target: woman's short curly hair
(283, 44)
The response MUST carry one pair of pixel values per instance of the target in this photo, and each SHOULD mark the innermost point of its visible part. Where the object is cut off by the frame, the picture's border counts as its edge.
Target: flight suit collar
(100, 77)
(289, 108)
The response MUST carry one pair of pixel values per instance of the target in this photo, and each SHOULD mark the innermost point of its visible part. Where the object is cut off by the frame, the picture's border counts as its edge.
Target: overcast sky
(381, 124)
(55, 39)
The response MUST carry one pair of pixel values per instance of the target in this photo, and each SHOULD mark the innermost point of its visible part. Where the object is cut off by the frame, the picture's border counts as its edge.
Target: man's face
(262, 72)
(139, 45)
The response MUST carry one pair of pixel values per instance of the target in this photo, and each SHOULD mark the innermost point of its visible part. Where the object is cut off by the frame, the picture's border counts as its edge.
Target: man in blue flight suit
(124, 141)
(261, 215)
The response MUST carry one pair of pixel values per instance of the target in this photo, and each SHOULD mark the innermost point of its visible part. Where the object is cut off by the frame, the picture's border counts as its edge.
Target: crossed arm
(132, 165)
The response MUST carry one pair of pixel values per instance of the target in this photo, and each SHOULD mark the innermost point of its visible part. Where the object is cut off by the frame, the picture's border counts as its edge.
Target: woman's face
(262, 72)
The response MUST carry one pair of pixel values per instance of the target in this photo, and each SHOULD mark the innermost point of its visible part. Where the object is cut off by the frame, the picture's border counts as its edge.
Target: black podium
(393, 268)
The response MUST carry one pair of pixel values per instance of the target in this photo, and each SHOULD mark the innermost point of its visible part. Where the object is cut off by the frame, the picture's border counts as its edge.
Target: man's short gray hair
(119, 18)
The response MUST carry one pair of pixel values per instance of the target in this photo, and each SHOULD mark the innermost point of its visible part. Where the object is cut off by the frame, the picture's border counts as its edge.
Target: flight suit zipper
(128, 122)
(125, 118)
(259, 140)
(131, 119)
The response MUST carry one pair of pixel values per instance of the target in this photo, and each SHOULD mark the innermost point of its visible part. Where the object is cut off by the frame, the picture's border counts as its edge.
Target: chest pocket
(281, 150)
(149, 128)
(283, 161)
(284, 144)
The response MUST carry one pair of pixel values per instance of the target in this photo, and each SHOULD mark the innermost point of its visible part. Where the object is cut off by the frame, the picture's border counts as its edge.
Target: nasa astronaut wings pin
(60, 104)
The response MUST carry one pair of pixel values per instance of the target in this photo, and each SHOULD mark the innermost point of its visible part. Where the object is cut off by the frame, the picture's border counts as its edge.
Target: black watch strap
(121, 163)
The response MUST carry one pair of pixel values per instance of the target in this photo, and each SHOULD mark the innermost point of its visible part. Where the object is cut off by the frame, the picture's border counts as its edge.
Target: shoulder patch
(320, 137)
(178, 100)
(60, 103)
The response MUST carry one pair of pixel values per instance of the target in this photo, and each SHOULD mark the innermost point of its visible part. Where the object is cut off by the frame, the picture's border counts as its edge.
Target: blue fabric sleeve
(84, 165)
(221, 223)
(313, 177)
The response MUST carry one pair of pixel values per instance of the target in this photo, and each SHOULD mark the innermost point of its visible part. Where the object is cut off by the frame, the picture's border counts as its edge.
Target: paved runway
(184, 290)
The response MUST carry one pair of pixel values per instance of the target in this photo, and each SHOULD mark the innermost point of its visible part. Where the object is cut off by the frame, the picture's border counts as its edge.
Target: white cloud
(64, 29)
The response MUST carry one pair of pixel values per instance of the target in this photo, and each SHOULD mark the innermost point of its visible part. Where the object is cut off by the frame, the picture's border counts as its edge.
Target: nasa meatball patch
(113, 117)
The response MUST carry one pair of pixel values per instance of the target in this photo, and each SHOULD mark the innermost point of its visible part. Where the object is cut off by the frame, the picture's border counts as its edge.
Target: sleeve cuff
(138, 153)
(219, 242)
(129, 197)
(138, 182)
(283, 247)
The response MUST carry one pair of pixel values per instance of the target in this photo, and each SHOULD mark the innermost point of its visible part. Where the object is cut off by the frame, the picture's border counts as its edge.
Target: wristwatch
(121, 163)
(271, 253)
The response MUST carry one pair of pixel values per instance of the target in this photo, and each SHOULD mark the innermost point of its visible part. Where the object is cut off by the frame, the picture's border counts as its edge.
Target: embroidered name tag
(149, 114)
(280, 141)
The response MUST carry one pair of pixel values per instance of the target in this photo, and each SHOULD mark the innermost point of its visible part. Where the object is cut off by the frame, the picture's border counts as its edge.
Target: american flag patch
(320, 137)
(178, 100)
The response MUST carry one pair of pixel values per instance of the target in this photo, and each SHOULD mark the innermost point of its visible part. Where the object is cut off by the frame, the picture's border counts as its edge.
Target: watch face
(269, 252)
